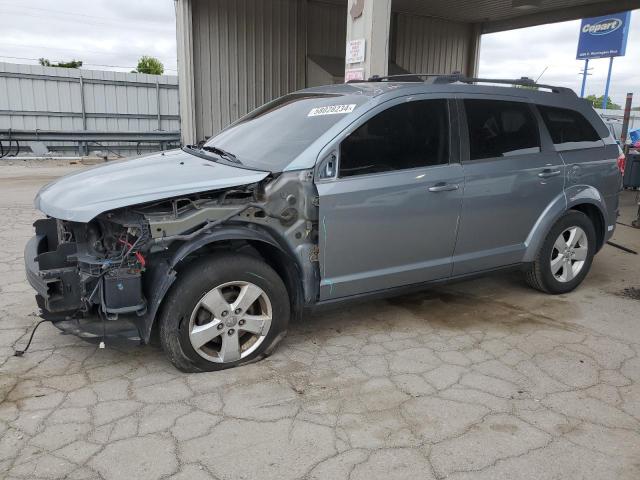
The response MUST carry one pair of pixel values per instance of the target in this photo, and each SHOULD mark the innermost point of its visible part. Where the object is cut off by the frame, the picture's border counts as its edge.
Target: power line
(80, 52)
(58, 12)
(75, 21)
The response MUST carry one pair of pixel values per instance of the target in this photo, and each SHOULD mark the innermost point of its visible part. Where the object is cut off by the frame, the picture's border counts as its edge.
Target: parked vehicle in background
(326, 195)
(615, 129)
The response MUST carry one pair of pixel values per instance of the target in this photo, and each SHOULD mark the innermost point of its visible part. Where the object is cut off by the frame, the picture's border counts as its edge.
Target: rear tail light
(621, 163)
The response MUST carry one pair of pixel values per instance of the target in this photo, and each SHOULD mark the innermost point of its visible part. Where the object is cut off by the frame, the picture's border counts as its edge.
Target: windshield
(271, 137)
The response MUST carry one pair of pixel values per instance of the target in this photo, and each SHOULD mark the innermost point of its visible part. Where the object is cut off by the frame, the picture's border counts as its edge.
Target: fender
(571, 197)
(162, 274)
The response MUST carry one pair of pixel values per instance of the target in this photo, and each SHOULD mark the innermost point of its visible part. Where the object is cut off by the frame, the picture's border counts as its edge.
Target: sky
(526, 52)
(113, 34)
(104, 34)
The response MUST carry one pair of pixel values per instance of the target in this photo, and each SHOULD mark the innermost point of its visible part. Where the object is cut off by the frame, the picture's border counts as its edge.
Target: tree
(150, 65)
(597, 102)
(71, 64)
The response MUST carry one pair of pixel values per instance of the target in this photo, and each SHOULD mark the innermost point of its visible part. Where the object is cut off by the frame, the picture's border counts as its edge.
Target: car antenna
(540, 76)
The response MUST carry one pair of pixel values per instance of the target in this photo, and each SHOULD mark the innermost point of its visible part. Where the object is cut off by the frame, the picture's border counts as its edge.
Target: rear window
(567, 126)
(272, 136)
(500, 129)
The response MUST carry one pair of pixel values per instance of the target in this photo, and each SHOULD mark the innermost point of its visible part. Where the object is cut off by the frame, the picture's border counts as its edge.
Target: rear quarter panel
(596, 168)
(591, 176)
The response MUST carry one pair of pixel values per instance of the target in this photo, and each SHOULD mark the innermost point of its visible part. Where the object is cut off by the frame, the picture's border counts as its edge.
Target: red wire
(138, 255)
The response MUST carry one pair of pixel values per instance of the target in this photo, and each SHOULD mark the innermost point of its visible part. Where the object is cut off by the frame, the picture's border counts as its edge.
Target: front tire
(224, 311)
(565, 256)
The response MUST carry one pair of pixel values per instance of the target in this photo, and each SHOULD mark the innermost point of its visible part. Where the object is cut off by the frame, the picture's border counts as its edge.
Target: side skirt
(406, 289)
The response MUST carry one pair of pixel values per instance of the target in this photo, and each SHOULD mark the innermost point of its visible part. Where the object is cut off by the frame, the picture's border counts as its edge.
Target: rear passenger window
(499, 129)
(567, 126)
(410, 135)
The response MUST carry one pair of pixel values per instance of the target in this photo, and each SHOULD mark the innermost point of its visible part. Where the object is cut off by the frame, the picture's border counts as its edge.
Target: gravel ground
(484, 379)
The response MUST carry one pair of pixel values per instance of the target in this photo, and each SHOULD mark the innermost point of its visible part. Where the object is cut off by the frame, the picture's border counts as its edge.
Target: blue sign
(604, 36)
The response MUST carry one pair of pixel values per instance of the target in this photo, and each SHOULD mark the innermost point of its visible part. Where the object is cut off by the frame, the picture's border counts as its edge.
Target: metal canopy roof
(498, 15)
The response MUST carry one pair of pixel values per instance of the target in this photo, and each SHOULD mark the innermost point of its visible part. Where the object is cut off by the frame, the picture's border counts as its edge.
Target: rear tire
(565, 257)
(224, 311)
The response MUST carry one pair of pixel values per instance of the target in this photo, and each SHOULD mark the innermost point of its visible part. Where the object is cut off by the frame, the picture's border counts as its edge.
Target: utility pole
(584, 77)
(625, 121)
(606, 88)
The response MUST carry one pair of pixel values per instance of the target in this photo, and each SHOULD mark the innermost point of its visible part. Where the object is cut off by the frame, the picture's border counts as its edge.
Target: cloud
(528, 51)
(118, 32)
(111, 34)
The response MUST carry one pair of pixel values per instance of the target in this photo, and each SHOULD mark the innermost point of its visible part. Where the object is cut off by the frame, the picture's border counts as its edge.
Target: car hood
(81, 196)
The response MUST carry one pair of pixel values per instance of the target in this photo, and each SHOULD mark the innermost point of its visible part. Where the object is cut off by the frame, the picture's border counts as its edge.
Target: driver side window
(409, 135)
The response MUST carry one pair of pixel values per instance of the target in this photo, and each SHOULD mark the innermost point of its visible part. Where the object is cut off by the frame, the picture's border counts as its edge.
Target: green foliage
(597, 102)
(71, 64)
(150, 65)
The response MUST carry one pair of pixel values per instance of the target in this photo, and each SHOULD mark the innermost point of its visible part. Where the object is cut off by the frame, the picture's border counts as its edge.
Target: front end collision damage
(118, 267)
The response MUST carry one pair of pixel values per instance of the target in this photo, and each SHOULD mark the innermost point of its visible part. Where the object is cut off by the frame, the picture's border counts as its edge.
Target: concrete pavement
(484, 379)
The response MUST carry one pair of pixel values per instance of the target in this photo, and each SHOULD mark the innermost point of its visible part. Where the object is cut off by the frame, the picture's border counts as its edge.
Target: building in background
(235, 55)
(71, 111)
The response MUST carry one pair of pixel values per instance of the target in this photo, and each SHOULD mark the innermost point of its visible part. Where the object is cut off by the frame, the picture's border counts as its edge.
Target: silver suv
(326, 195)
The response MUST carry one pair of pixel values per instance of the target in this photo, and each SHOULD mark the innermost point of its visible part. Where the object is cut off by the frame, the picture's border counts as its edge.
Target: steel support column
(605, 100)
(184, 20)
(370, 20)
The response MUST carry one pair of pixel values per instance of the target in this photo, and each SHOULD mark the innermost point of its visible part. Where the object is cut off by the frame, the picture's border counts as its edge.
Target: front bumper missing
(94, 329)
(58, 290)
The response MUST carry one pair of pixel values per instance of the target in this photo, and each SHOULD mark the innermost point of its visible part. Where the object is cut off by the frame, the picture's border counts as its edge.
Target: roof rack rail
(409, 77)
(458, 77)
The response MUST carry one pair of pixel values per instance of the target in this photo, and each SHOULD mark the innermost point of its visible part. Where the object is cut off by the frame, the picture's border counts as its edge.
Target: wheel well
(283, 264)
(596, 217)
(286, 268)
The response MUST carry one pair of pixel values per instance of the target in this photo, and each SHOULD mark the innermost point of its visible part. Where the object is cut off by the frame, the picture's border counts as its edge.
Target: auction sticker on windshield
(331, 110)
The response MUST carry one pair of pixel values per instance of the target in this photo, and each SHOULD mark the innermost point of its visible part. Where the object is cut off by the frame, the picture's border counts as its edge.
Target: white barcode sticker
(331, 110)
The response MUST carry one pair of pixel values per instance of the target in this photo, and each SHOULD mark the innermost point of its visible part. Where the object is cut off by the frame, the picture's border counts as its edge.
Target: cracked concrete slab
(484, 379)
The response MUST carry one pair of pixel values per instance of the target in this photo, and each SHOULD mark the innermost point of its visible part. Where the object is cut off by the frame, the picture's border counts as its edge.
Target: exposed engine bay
(122, 262)
(100, 262)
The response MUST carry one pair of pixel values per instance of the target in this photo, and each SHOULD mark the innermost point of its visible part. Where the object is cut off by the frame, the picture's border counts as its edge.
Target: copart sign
(604, 36)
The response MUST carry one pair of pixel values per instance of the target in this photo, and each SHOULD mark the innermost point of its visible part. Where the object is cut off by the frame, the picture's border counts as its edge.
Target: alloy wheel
(230, 322)
(569, 254)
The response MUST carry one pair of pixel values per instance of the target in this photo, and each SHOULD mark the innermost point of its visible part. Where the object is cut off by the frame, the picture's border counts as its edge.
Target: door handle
(547, 172)
(443, 187)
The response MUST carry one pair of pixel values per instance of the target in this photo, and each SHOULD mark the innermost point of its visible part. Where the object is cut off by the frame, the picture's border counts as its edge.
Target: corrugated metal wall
(48, 98)
(431, 45)
(326, 29)
(246, 52)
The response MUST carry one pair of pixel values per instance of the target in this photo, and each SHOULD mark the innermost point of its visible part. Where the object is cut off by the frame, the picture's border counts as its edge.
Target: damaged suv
(325, 195)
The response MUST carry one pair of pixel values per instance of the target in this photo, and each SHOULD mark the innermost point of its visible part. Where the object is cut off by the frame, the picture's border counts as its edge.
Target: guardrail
(72, 109)
(81, 139)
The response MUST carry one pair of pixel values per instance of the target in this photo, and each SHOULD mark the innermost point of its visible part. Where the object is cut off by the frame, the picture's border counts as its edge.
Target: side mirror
(328, 166)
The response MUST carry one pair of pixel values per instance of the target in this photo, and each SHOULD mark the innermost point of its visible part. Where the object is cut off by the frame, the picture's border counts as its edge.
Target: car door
(389, 215)
(511, 175)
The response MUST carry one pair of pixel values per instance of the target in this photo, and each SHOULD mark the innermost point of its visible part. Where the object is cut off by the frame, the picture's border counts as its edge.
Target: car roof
(391, 89)
(379, 92)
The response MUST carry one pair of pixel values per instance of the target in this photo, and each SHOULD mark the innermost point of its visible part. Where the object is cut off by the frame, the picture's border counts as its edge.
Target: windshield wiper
(223, 153)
